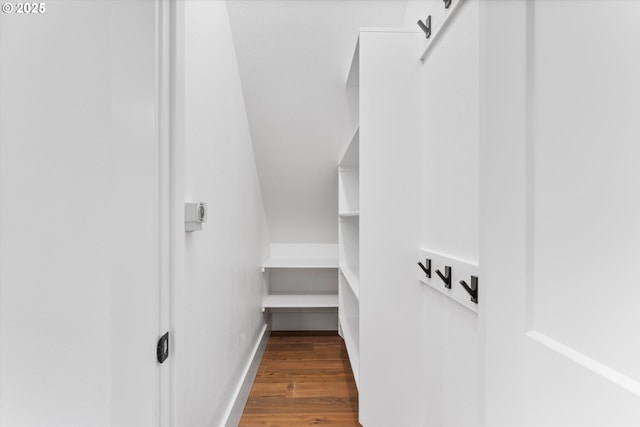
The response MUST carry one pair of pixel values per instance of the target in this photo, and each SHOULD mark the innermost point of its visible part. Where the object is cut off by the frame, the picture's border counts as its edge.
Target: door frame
(164, 112)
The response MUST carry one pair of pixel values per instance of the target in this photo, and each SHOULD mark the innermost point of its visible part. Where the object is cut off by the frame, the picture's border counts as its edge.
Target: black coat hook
(473, 289)
(426, 27)
(427, 268)
(447, 3)
(446, 278)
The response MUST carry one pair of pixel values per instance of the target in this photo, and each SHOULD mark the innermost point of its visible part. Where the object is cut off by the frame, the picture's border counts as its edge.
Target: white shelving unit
(302, 288)
(349, 240)
(392, 307)
(302, 297)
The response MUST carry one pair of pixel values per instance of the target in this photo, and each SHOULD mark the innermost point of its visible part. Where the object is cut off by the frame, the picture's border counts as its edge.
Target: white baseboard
(241, 393)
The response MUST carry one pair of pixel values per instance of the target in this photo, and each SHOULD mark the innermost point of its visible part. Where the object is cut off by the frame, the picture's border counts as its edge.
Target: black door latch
(162, 351)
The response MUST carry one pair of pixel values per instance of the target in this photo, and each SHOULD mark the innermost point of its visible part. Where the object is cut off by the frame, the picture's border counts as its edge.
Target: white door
(560, 213)
(79, 216)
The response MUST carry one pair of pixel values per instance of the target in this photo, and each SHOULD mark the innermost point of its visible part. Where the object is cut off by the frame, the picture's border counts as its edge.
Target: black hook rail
(446, 278)
(473, 289)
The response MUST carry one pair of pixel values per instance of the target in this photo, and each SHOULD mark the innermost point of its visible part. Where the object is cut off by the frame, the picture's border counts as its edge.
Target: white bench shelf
(300, 301)
(349, 214)
(301, 263)
(299, 288)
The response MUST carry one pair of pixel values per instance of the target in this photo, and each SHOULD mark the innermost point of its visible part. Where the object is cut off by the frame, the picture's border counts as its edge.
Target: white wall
(503, 209)
(78, 216)
(294, 57)
(449, 220)
(218, 286)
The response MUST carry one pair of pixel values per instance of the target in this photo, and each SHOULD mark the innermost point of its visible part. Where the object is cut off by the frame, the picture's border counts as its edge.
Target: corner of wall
(218, 286)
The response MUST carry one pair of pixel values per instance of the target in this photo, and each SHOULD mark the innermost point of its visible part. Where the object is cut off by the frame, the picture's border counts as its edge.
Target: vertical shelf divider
(349, 235)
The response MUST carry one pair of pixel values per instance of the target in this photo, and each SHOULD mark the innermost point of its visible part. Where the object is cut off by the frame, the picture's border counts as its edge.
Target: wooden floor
(304, 379)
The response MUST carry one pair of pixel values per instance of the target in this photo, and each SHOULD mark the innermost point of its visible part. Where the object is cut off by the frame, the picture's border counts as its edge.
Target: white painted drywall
(78, 216)
(293, 58)
(502, 211)
(449, 219)
(218, 286)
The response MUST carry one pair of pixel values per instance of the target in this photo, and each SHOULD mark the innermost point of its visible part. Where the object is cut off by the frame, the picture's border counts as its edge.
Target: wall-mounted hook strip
(447, 3)
(473, 289)
(426, 267)
(446, 278)
(426, 27)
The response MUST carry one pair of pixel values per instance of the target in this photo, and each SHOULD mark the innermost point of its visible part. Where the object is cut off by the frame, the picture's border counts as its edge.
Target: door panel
(559, 192)
(586, 180)
(585, 204)
(78, 206)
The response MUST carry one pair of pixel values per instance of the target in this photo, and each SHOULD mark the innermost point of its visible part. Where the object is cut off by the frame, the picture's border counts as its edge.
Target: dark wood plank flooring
(304, 379)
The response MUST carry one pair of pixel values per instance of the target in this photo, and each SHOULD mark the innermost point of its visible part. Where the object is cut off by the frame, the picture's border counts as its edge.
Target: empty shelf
(300, 301)
(301, 263)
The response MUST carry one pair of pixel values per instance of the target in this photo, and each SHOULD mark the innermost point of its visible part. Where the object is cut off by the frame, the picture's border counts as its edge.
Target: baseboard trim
(241, 393)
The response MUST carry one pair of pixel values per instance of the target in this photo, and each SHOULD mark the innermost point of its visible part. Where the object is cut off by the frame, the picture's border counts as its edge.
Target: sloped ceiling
(294, 56)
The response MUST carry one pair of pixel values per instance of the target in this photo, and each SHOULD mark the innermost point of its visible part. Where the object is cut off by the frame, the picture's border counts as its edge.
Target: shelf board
(300, 301)
(352, 276)
(389, 30)
(301, 263)
(349, 214)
